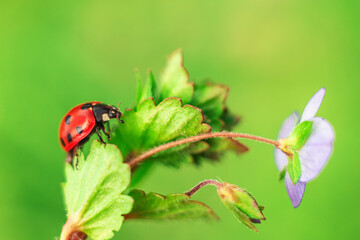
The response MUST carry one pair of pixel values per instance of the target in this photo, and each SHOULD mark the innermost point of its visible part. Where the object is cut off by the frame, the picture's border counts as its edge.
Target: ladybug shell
(76, 125)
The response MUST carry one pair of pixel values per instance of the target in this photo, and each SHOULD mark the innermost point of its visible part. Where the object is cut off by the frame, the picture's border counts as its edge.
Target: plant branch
(202, 184)
(136, 160)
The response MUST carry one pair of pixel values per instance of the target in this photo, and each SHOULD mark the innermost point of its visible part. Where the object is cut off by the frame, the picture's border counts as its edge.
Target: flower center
(284, 146)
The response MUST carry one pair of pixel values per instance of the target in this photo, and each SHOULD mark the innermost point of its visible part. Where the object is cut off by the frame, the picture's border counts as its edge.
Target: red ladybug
(82, 121)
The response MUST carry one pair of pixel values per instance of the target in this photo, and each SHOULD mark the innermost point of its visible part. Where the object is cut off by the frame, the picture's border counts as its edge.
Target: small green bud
(242, 204)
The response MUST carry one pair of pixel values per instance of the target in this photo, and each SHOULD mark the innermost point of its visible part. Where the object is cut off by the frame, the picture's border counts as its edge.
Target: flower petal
(313, 105)
(280, 159)
(317, 150)
(288, 125)
(285, 130)
(295, 192)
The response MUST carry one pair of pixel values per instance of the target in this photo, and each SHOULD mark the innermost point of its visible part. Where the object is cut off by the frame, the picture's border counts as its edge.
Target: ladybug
(81, 122)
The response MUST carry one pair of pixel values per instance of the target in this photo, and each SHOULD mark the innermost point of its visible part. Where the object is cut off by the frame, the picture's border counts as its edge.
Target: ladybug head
(115, 113)
(104, 112)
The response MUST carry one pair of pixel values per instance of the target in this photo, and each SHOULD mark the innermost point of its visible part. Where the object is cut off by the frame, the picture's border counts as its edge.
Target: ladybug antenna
(118, 118)
(119, 104)
(119, 115)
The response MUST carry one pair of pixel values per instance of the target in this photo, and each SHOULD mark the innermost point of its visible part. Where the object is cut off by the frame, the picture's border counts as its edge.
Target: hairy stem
(136, 160)
(202, 184)
(71, 231)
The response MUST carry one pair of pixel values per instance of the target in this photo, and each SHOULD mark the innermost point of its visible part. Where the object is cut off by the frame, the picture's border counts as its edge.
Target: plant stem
(202, 184)
(70, 231)
(136, 160)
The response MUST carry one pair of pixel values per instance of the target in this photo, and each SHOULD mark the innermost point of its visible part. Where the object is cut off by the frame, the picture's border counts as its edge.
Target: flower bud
(242, 204)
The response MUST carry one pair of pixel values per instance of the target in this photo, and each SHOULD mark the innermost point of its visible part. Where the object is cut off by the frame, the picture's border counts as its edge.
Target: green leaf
(230, 120)
(294, 167)
(93, 192)
(175, 79)
(149, 126)
(300, 135)
(211, 99)
(149, 89)
(174, 206)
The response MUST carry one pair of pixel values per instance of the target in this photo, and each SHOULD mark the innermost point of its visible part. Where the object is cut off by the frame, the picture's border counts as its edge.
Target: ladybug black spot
(79, 129)
(62, 142)
(86, 106)
(69, 137)
(67, 119)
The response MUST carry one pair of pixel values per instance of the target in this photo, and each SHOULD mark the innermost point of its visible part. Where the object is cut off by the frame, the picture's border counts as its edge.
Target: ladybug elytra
(82, 121)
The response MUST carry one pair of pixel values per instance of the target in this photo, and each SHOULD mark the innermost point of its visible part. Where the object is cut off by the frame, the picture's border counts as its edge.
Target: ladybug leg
(76, 151)
(71, 154)
(99, 135)
(102, 126)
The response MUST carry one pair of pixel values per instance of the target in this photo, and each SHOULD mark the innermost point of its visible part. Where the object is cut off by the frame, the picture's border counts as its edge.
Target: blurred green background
(273, 54)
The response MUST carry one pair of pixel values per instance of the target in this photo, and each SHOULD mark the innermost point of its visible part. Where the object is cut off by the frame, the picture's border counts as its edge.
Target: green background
(273, 54)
